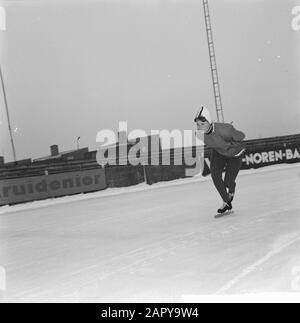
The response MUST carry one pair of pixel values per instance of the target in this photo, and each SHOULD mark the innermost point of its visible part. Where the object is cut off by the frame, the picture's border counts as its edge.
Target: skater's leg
(232, 170)
(217, 165)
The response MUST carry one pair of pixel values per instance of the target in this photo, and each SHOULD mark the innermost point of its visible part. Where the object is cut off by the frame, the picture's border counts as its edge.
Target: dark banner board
(27, 189)
(261, 157)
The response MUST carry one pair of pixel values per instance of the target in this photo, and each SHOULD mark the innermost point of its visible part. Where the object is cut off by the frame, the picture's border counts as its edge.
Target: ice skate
(225, 208)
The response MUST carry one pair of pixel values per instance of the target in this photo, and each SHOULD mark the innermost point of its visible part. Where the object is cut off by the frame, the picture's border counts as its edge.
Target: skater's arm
(237, 135)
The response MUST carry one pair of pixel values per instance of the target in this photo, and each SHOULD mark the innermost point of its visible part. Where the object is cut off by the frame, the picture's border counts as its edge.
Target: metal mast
(8, 117)
(213, 63)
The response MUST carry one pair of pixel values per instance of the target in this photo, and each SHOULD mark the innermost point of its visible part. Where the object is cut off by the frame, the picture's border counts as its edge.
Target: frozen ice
(155, 244)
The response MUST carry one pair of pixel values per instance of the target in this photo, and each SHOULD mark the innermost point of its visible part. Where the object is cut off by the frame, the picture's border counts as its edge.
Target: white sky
(72, 68)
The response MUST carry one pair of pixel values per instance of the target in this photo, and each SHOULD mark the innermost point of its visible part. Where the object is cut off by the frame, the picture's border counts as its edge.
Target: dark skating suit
(227, 154)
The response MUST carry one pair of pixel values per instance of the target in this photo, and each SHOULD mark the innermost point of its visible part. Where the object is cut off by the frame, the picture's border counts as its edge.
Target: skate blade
(224, 214)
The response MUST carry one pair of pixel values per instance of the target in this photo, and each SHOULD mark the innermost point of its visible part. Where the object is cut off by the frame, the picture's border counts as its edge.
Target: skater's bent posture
(227, 154)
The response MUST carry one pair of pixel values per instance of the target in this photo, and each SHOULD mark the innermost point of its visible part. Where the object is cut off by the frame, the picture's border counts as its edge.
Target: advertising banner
(257, 158)
(42, 187)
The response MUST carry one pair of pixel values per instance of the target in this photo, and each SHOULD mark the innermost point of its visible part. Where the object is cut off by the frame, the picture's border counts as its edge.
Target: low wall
(259, 153)
(124, 176)
(22, 183)
(19, 190)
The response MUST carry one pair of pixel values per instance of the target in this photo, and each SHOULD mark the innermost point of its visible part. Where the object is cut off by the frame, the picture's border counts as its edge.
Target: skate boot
(225, 208)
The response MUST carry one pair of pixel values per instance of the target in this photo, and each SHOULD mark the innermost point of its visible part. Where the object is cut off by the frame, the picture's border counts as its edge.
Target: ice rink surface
(156, 245)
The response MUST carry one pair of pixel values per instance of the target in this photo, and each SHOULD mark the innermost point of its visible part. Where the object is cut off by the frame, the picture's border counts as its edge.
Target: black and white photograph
(149, 153)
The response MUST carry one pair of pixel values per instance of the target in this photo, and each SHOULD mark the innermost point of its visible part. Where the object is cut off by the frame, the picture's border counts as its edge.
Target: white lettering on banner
(271, 157)
(289, 154)
(265, 157)
(278, 155)
(257, 158)
(292, 154)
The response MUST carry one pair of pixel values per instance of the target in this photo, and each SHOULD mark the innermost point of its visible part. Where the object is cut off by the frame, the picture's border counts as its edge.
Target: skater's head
(203, 120)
